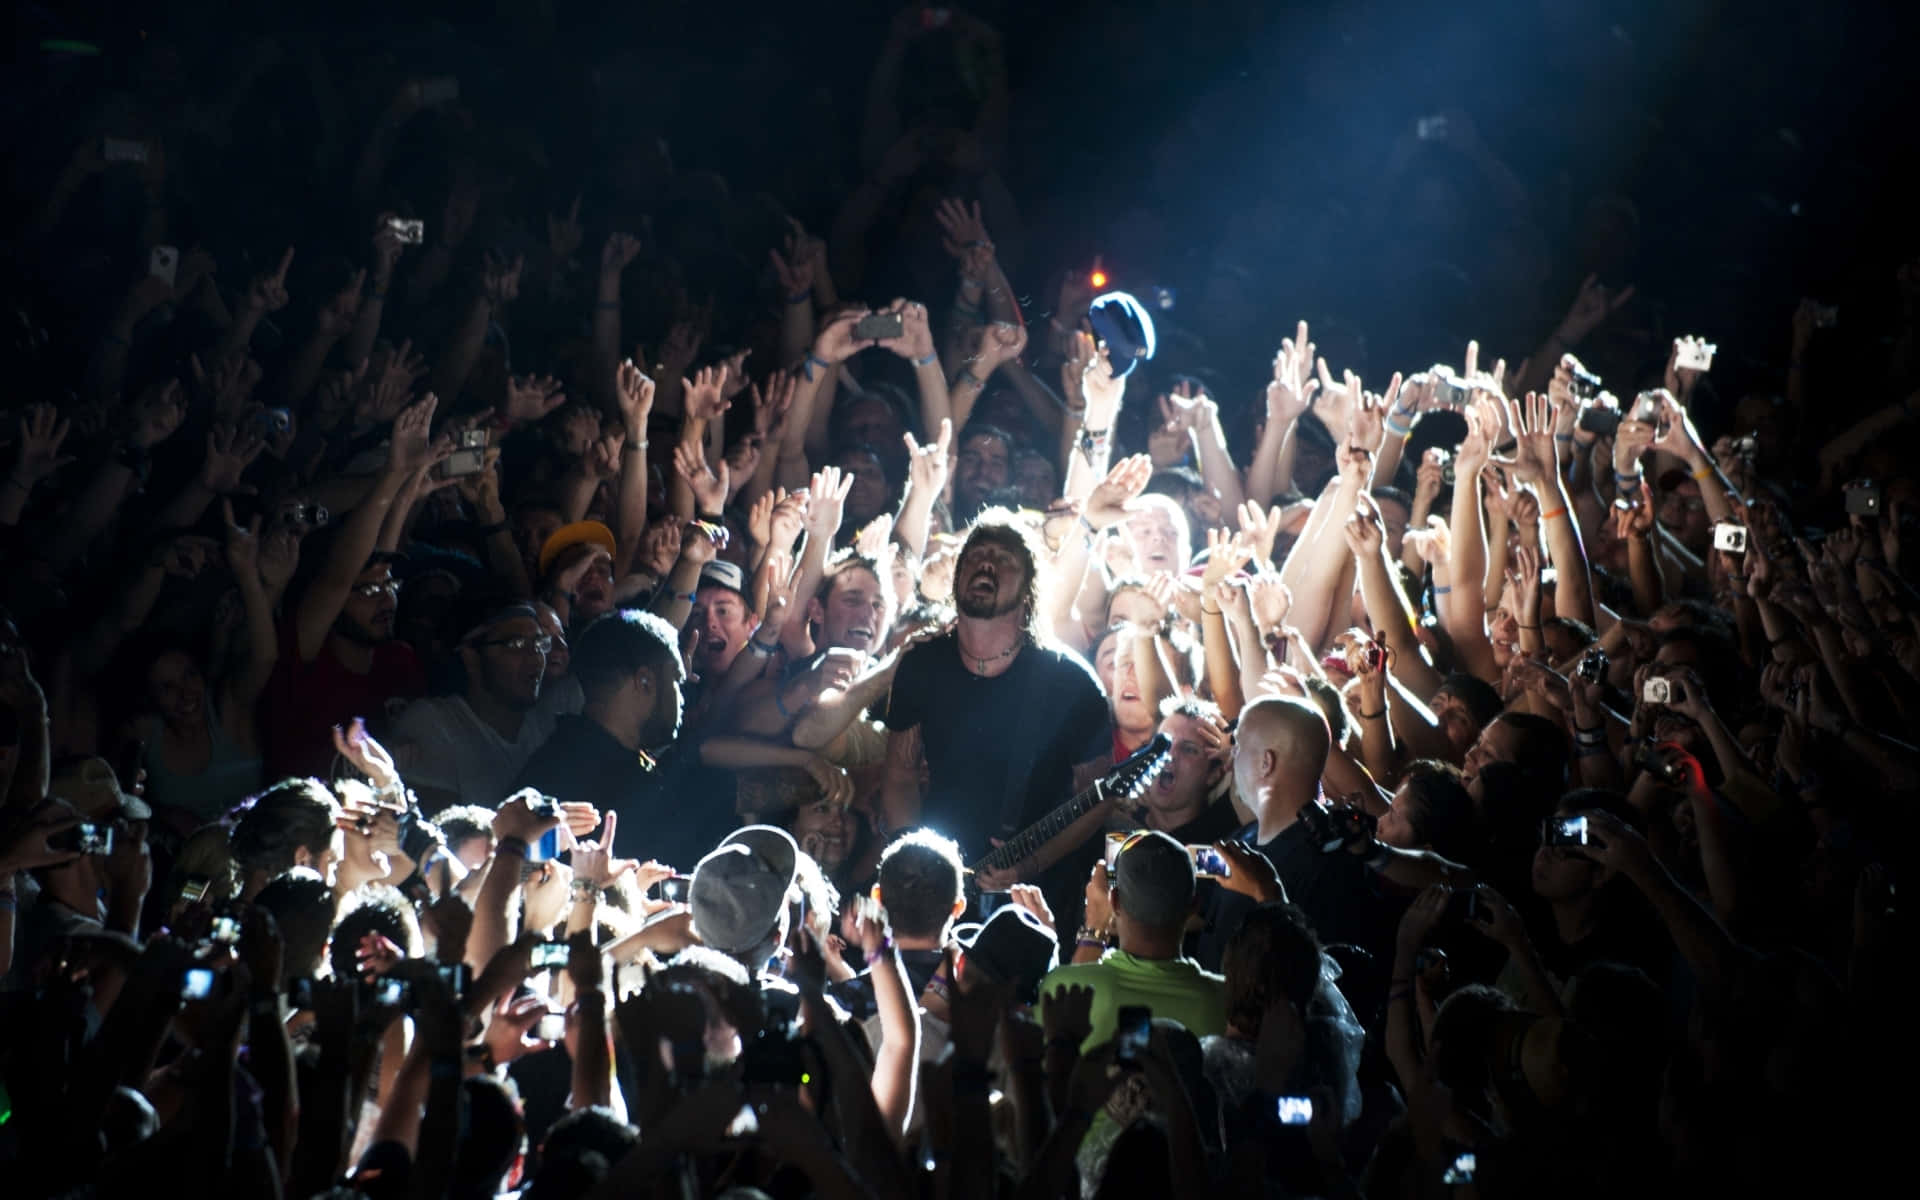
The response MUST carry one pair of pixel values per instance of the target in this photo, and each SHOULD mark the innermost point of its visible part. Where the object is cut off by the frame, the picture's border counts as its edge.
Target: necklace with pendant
(981, 664)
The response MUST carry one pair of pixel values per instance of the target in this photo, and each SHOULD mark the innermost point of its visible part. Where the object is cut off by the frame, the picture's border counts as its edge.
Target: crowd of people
(626, 709)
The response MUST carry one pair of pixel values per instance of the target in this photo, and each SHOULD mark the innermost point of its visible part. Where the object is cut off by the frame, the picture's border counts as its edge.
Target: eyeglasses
(520, 645)
(389, 588)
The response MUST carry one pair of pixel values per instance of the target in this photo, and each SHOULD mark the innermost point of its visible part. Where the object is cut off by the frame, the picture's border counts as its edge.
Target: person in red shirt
(339, 658)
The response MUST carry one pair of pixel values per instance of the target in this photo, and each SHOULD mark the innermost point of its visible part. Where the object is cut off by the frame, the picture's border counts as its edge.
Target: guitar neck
(1028, 841)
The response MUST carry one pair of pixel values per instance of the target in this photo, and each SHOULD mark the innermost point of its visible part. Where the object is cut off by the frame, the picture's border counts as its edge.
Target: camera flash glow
(1098, 279)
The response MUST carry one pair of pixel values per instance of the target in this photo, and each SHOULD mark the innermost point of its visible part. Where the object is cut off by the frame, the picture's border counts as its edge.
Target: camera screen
(390, 992)
(198, 984)
(551, 1028)
(1294, 1110)
(1134, 1029)
(225, 930)
(1567, 831)
(1462, 1169)
(549, 954)
(1209, 862)
(674, 889)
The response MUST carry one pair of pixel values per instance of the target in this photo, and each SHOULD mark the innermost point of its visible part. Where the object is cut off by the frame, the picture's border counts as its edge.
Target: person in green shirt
(1150, 899)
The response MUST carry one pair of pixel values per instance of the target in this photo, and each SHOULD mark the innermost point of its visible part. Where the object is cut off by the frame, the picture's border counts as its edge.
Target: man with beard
(339, 658)
(999, 715)
(628, 665)
(984, 465)
(467, 749)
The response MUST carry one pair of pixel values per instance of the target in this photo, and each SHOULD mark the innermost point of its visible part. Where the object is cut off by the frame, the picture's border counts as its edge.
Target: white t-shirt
(450, 749)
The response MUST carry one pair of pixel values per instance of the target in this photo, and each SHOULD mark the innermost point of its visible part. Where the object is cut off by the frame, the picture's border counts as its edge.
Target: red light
(1098, 279)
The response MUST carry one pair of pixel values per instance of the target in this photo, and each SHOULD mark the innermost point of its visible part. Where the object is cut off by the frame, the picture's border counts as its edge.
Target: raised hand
(964, 234)
(532, 397)
(367, 755)
(389, 388)
(1434, 544)
(709, 484)
(1293, 383)
(411, 448)
(387, 246)
(1483, 425)
(635, 390)
(659, 546)
(336, 317)
(1535, 460)
(796, 269)
(229, 453)
(1368, 419)
(1272, 601)
(835, 342)
(1226, 554)
(696, 545)
(243, 544)
(619, 250)
(500, 278)
(1102, 390)
(1108, 502)
(1363, 530)
(771, 405)
(916, 339)
(703, 396)
(1262, 527)
(789, 518)
(1675, 432)
(1000, 342)
(1681, 380)
(42, 431)
(681, 345)
(826, 502)
(1592, 305)
(602, 460)
(927, 465)
(268, 292)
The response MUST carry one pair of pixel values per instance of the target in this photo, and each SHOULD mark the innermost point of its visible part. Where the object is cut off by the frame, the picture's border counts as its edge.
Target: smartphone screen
(551, 1028)
(1133, 1028)
(198, 984)
(547, 848)
(1114, 842)
(549, 954)
(1209, 863)
(1294, 1110)
(673, 889)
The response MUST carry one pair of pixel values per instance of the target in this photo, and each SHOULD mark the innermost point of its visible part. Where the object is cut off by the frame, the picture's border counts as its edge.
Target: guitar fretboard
(1029, 840)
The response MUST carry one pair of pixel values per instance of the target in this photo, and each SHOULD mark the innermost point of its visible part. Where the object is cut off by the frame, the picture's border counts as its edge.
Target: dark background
(1234, 150)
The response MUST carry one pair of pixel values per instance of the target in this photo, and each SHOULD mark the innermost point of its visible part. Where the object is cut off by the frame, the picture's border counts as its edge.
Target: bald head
(1279, 751)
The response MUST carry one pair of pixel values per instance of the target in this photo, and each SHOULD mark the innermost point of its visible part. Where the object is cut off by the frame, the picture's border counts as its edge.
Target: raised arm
(1288, 396)
(326, 595)
(1465, 616)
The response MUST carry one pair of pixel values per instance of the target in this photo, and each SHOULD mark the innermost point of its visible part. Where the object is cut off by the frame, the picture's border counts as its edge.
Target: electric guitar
(1126, 782)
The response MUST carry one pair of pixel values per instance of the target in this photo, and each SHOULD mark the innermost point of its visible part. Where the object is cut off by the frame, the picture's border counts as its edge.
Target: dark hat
(1013, 947)
(739, 890)
(1126, 327)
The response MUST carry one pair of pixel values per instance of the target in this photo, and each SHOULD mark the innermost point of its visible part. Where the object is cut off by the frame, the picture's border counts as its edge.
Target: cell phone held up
(1133, 1029)
(470, 458)
(879, 327)
(1563, 831)
(164, 264)
(1209, 863)
(1863, 498)
(547, 955)
(410, 233)
(87, 837)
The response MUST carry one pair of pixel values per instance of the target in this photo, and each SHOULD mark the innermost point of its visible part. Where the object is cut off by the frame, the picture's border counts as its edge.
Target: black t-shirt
(1217, 820)
(1342, 899)
(1002, 745)
(661, 815)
